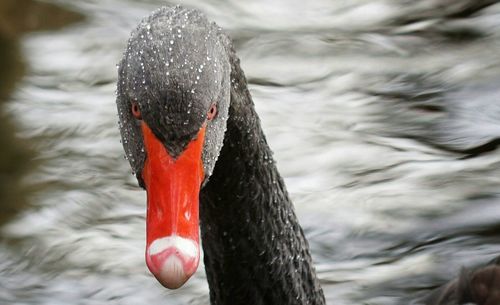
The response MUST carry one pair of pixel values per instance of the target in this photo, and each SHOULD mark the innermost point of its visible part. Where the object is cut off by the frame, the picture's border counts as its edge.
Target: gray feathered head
(174, 68)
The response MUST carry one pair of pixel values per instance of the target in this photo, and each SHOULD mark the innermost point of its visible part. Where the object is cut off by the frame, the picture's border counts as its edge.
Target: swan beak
(173, 187)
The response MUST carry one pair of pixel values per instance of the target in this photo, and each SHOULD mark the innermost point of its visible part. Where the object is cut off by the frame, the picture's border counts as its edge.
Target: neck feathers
(255, 250)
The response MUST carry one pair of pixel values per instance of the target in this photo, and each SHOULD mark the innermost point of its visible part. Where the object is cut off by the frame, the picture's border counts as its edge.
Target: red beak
(173, 187)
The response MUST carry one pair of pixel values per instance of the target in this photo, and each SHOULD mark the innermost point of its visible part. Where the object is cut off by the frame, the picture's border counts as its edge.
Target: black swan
(194, 141)
(480, 286)
(192, 137)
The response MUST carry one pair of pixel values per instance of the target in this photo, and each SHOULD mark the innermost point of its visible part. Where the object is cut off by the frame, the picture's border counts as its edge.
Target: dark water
(383, 116)
(16, 155)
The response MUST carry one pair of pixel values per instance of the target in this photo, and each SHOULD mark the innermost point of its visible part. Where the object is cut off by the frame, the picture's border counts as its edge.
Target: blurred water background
(384, 116)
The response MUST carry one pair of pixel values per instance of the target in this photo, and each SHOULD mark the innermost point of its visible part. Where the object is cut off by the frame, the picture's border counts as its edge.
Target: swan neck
(255, 251)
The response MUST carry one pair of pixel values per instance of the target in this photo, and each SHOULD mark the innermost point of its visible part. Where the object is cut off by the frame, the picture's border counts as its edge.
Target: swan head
(173, 97)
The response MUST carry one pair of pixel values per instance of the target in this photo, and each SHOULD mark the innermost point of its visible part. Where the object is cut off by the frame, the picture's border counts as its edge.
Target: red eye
(135, 111)
(212, 112)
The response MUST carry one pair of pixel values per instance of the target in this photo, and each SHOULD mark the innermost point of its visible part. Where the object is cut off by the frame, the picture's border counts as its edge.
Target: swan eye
(136, 112)
(212, 112)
